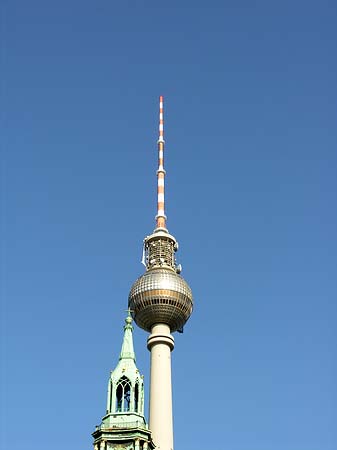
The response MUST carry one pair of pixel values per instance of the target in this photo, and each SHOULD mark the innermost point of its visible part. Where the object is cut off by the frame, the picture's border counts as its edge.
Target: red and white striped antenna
(161, 217)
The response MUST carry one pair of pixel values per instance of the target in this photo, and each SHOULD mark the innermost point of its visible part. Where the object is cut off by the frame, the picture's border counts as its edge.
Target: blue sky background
(250, 121)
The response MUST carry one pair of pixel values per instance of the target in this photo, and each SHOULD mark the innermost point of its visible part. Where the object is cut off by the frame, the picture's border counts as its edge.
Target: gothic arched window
(110, 406)
(123, 393)
(136, 397)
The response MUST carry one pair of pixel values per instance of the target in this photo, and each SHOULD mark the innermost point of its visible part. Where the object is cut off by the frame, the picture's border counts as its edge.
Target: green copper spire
(127, 351)
(124, 425)
(125, 388)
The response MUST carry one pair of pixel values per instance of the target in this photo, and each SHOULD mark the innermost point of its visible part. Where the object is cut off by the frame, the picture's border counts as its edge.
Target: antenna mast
(161, 217)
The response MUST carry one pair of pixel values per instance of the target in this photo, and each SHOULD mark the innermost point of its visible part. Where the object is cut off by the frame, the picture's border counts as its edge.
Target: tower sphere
(161, 295)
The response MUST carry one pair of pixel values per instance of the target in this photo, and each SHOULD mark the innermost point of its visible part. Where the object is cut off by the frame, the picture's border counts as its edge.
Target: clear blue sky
(250, 96)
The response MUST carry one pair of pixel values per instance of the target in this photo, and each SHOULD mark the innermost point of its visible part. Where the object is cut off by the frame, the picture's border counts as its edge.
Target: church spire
(124, 425)
(127, 351)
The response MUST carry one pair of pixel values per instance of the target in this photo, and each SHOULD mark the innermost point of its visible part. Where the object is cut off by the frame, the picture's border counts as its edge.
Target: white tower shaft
(161, 343)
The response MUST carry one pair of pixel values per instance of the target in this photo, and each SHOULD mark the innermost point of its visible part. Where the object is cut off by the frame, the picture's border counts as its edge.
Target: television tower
(161, 303)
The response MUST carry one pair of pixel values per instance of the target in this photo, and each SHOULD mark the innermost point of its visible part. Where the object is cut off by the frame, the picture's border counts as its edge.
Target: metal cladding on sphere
(161, 296)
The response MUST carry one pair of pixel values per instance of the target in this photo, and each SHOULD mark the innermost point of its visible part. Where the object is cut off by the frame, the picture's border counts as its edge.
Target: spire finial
(129, 311)
(127, 351)
(160, 217)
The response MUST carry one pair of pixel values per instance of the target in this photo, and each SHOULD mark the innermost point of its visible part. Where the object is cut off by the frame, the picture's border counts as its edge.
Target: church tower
(124, 427)
(161, 303)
